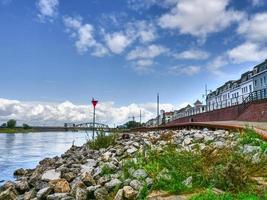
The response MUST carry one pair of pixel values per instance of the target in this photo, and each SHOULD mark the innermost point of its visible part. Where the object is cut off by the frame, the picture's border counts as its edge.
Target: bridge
(87, 125)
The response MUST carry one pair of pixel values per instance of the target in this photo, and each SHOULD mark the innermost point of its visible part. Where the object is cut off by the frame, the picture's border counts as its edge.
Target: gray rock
(57, 196)
(70, 176)
(101, 194)
(9, 194)
(112, 184)
(140, 174)
(129, 192)
(219, 144)
(250, 149)
(30, 195)
(43, 193)
(188, 182)
(135, 184)
(131, 150)
(187, 141)
(149, 182)
(22, 186)
(51, 175)
(119, 195)
(20, 172)
(198, 137)
(81, 194)
(40, 185)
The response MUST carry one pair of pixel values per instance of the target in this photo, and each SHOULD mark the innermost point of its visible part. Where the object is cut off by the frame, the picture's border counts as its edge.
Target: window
(250, 88)
(261, 82)
(265, 80)
(255, 82)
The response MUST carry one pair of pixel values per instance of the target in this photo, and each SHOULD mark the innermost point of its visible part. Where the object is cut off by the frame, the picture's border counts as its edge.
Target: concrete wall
(255, 112)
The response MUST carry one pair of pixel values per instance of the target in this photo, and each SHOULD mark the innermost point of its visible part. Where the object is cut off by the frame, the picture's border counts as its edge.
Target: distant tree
(26, 126)
(132, 124)
(3, 125)
(11, 123)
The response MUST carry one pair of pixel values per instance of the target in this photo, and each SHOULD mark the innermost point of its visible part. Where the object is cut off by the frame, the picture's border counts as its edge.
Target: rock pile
(81, 173)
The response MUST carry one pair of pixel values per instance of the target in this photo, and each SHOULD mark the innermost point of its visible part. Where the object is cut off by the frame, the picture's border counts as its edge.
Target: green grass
(226, 169)
(103, 140)
(251, 137)
(15, 130)
(210, 195)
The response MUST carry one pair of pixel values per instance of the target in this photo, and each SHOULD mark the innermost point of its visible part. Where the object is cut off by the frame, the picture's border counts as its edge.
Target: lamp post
(94, 102)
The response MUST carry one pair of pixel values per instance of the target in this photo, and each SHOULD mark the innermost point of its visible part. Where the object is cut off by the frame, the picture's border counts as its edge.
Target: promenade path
(260, 127)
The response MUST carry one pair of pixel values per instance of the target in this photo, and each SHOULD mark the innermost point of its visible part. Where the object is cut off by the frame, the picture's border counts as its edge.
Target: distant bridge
(89, 125)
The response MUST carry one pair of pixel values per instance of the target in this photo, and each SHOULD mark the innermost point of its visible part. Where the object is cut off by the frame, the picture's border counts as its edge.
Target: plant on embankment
(102, 140)
(251, 137)
(210, 195)
(226, 169)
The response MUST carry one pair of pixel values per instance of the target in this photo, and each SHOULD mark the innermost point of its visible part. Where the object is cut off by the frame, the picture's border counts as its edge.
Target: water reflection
(25, 150)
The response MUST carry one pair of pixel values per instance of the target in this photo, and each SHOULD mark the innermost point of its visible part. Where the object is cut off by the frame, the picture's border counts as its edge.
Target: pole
(158, 111)
(140, 117)
(94, 102)
(94, 125)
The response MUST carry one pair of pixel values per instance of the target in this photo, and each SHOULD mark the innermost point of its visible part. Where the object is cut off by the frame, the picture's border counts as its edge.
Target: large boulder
(119, 195)
(81, 194)
(101, 194)
(87, 179)
(129, 192)
(112, 184)
(140, 174)
(51, 175)
(60, 186)
(9, 194)
(22, 186)
(43, 193)
(58, 196)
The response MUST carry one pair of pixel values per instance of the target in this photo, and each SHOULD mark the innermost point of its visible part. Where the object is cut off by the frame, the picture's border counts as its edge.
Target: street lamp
(94, 102)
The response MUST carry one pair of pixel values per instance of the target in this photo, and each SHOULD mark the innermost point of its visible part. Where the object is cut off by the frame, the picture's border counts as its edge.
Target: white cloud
(148, 52)
(59, 113)
(254, 28)
(188, 70)
(117, 42)
(199, 17)
(247, 51)
(215, 66)
(192, 54)
(145, 62)
(47, 9)
(84, 35)
(144, 30)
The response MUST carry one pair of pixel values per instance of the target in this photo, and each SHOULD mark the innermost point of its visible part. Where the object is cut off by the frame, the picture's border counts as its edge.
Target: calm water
(25, 150)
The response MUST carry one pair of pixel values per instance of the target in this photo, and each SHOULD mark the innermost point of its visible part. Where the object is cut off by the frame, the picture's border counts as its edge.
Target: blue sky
(125, 51)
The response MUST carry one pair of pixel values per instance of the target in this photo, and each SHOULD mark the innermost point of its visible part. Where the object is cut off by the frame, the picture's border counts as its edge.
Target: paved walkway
(260, 127)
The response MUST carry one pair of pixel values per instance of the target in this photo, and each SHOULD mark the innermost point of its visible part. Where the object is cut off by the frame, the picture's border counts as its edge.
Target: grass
(226, 169)
(251, 137)
(15, 130)
(210, 195)
(102, 140)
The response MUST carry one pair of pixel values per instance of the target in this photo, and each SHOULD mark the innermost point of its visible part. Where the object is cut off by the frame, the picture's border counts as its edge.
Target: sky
(55, 55)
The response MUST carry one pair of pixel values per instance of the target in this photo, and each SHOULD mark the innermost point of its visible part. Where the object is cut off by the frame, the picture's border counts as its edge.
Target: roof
(198, 102)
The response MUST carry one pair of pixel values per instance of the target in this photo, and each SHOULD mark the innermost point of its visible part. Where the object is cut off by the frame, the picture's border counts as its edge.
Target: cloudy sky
(55, 55)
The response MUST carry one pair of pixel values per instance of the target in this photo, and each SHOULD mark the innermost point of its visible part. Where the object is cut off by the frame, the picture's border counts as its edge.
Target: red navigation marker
(94, 102)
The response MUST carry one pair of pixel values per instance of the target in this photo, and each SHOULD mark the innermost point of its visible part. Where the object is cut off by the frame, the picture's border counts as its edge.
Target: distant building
(251, 85)
(260, 76)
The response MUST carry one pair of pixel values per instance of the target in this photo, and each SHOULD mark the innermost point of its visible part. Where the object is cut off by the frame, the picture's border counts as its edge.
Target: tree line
(12, 123)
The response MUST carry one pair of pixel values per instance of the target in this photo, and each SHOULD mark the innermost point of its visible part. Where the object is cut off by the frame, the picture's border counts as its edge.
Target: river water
(25, 150)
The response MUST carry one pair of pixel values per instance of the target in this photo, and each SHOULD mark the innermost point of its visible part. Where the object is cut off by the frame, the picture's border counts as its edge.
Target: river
(25, 150)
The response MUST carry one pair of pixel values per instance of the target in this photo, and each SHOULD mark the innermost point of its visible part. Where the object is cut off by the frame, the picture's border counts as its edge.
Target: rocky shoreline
(81, 173)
